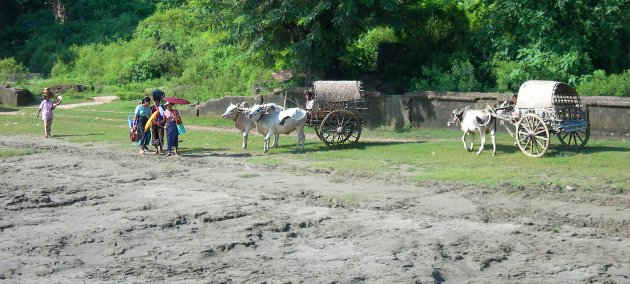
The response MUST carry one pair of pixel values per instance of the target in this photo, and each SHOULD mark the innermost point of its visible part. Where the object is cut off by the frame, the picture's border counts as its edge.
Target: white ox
(472, 121)
(238, 113)
(283, 122)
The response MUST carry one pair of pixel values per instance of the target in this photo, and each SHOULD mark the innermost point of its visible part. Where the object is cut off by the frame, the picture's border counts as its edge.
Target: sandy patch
(76, 213)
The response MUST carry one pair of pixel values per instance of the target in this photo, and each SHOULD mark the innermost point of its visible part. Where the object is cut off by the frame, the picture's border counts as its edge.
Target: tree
(597, 28)
(308, 35)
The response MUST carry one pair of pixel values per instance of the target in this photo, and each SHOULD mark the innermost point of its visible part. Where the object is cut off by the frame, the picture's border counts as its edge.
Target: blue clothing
(172, 136)
(145, 137)
(143, 111)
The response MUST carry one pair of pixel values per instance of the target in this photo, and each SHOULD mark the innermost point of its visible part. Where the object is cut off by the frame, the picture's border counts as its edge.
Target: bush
(460, 78)
(11, 70)
(60, 69)
(599, 84)
(218, 69)
(363, 53)
(152, 64)
(533, 63)
(111, 63)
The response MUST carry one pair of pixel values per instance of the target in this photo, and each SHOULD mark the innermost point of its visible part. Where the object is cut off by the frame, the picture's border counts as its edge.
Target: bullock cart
(546, 108)
(337, 116)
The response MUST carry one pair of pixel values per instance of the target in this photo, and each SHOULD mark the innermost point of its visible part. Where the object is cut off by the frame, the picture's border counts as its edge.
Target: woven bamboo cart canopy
(337, 91)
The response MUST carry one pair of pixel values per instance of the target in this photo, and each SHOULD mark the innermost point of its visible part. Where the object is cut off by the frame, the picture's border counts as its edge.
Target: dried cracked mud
(91, 213)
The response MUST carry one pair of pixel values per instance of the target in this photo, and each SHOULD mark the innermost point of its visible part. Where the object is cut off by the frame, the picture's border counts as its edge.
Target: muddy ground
(97, 214)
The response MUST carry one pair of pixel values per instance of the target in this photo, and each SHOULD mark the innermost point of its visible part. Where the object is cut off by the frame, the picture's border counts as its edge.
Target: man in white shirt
(310, 101)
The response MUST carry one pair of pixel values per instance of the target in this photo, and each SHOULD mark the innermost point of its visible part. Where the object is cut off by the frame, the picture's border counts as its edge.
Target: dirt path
(70, 106)
(90, 213)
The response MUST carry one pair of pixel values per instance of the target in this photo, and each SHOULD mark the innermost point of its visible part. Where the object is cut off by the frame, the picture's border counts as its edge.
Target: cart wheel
(532, 135)
(576, 139)
(338, 127)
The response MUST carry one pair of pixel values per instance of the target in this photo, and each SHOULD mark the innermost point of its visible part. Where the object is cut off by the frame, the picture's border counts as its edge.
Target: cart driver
(516, 113)
(513, 101)
(310, 101)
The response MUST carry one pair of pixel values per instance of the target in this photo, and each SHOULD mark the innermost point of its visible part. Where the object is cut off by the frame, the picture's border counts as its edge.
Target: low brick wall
(15, 96)
(608, 115)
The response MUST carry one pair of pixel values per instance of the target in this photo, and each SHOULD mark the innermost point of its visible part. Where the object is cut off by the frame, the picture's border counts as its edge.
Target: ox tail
(283, 120)
(481, 123)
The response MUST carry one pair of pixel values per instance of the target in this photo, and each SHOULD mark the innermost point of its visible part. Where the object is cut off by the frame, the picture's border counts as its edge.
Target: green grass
(248, 175)
(423, 154)
(14, 152)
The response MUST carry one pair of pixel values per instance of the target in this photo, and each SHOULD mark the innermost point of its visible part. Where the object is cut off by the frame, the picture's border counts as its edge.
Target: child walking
(46, 108)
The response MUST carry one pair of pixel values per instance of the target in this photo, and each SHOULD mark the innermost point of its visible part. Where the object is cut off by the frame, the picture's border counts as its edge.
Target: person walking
(157, 129)
(140, 118)
(46, 108)
(171, 118)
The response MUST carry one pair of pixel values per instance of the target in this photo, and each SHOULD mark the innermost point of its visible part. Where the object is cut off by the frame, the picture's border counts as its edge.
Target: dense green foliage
(39, 32)
(11, 70)
(599, 84)
(201, 49)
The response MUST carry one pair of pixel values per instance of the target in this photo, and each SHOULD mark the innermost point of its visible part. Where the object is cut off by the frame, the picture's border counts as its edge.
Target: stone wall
(15, 96)
(608, 115)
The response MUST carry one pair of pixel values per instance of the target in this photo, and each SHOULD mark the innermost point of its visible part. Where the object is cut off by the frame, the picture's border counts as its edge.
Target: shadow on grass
(503, 148)
(319, 146)
(590, 149)
(554, 150)
(366, 144)
(6, 109)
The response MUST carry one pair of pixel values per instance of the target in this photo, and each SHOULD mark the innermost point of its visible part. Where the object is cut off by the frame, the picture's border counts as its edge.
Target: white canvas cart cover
(337, 91)
(540, 94)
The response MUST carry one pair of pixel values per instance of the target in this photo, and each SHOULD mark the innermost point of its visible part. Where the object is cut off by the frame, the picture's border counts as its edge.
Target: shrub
(363, 53)
(218, 68)
(173, 26)
(111, 63)
(153, 63)
(60, 69)
(463, 73)
(90, 62)
(460, 78)
(11, 70)
(599, 84)
(533, 63)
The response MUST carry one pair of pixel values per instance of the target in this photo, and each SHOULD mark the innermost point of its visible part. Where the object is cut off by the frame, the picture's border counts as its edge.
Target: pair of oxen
(268, 119)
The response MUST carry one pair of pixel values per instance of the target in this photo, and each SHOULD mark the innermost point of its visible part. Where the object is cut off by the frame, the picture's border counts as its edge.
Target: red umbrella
(176, 100)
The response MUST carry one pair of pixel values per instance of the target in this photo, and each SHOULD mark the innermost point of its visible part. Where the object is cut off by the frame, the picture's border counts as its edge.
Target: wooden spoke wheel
(339, 127)
(575, 139)
(532, 135)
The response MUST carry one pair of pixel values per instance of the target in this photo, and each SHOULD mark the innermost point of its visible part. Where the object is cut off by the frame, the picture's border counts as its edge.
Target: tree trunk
(59, 11)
